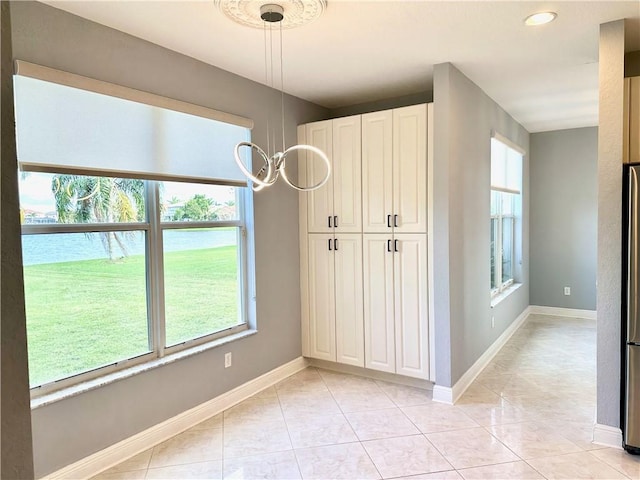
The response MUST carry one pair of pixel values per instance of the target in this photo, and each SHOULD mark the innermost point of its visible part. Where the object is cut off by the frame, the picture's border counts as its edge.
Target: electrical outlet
(493, 321)
(567, 290)
(227, 360)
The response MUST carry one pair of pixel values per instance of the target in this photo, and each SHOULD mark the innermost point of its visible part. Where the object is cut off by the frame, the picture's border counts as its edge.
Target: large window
(118, 270)
(134, 225)
(506, 207)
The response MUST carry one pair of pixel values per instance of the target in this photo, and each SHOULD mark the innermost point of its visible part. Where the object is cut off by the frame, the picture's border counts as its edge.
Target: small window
(506, 208)
(83, 249)
(202, 240)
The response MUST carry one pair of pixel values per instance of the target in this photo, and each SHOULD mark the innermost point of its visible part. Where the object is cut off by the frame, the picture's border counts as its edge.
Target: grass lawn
(87, 314)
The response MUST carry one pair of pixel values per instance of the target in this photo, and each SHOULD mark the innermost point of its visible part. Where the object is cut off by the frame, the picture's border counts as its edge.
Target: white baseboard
(443, 394)
(451, 395)
(608, 436)
(563, 312)
(121, 451)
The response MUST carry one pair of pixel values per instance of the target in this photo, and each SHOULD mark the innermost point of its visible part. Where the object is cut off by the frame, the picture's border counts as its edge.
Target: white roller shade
(64, 128)
(506, 167)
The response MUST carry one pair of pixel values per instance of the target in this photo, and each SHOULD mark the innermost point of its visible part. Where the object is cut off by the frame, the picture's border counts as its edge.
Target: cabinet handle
(335, 244)
(395, 245)
(389, 221)
(388, 245)
(335, 221)
(329, 244)
(329, 217)
(395, 220)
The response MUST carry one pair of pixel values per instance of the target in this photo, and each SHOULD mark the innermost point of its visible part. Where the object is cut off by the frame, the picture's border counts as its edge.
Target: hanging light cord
(282, 87)
(266, 81)
(272, 84)
(274, 160)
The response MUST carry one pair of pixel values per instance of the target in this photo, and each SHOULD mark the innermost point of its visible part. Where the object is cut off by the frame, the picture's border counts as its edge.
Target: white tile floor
(529, 415)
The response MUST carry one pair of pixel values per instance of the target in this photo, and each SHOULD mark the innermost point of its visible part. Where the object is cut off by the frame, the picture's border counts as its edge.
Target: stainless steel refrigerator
(631, 313)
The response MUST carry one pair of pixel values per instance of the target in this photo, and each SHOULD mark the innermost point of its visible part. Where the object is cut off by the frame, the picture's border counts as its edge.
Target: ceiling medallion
(296, 12)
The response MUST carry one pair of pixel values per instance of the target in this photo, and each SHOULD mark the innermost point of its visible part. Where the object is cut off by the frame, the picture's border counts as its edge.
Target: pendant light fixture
(272, 19)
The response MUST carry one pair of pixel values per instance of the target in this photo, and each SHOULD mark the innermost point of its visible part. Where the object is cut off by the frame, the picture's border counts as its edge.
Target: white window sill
(496, 299)
(83, 387)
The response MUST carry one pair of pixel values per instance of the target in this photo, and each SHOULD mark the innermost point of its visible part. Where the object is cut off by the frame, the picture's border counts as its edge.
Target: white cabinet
(338, 205)
(335, 325)
(410, 295)
(349, 302)
(410, 169)
(379, 300)
(319, 203)
(395, 304)
(377, 171)
(394, 211)
(321, 317)
(331, 273)
(363, 242)
(394, 170)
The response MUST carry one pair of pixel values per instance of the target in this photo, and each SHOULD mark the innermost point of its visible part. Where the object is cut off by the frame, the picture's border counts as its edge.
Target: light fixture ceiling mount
(272, 13)
(295, 13)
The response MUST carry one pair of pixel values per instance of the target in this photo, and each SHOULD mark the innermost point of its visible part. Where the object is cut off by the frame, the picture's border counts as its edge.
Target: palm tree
(81, 199)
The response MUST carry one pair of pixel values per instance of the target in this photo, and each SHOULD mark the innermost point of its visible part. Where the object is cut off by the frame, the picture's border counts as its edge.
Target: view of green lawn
(86, 314)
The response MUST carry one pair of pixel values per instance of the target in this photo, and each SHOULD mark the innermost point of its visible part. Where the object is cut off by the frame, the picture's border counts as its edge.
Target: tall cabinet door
(348, 295)
(379, 331)
(377, 172)
(410, 168)
(411, 314)
(347, 182)
(322, 325)
(320, 201)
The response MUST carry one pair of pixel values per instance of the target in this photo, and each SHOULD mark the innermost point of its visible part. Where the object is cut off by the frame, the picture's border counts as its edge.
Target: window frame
(515, 211)
(498, 245)
(240, 224)
(153, 226)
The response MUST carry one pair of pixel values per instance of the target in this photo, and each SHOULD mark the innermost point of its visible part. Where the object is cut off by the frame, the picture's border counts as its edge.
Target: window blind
(506, 167)
(75, 124)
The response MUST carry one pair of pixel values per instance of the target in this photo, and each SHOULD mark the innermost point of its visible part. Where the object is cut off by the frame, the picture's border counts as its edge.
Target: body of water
(71, 247)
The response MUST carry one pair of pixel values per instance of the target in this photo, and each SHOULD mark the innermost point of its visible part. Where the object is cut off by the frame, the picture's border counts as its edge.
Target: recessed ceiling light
(540, 18)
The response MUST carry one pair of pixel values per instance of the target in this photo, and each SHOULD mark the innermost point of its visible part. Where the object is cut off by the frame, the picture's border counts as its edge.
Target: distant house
(169, 210)
(33, 216)
(225, 212)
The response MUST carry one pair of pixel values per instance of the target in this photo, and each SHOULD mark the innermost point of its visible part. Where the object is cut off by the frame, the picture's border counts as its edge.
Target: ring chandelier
(287, 14)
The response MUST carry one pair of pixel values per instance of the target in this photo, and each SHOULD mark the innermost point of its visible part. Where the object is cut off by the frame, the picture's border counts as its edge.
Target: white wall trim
(608, 436)
(443, 394)
(563, 312)
(138, 443)
(451, 395)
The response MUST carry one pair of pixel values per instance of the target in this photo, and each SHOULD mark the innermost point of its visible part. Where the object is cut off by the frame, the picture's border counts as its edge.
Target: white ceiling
(359, 51)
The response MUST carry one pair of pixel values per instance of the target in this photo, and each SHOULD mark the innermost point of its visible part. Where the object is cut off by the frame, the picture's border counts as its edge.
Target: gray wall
(464, 117)
(15, 414)
(68, 430)
(564, 213)
(611, 98)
